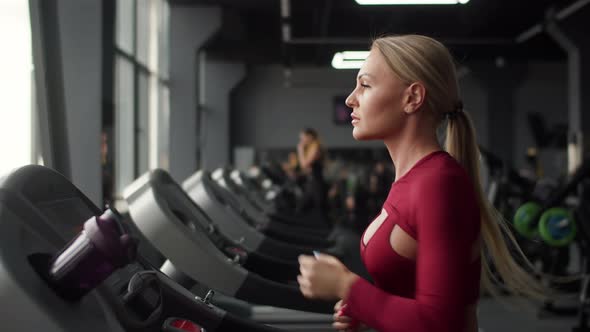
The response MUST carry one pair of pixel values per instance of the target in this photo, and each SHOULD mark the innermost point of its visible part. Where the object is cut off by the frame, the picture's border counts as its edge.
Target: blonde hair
(415, 58)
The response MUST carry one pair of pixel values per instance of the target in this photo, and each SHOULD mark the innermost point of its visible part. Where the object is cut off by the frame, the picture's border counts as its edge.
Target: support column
(219, 81)
(190, 28)
(82, 50)
(67, 47)
(49, 85)
(568, 36)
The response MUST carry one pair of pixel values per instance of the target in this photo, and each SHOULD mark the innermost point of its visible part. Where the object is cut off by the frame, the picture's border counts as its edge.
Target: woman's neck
(408, 148)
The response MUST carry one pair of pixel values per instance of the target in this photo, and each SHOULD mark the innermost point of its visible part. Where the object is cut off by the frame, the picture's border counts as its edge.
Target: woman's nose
(350, 100)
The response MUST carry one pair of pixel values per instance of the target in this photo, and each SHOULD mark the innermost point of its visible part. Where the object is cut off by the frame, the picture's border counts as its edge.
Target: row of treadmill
(210, 254)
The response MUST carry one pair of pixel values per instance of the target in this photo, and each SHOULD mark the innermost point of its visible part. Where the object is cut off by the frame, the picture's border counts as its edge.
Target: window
(124, 26)
(142, 131)
(163, 128)
(144, 34)
(141, 89)
(15, 85)
(125, 123)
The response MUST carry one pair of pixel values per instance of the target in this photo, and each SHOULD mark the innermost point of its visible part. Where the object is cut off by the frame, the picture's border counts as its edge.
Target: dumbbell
(556, 226)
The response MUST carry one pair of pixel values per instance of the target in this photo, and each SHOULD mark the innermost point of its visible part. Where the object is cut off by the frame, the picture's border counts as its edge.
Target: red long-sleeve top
(434, 203)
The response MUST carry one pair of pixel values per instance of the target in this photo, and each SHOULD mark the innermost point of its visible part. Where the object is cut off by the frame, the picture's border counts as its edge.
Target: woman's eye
(365, 85)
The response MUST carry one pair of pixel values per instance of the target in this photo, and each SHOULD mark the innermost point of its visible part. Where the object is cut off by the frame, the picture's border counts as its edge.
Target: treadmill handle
(210, 317)
(259, 290)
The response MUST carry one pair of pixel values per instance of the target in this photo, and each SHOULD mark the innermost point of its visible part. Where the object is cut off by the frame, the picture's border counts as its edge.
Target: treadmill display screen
(67, 215)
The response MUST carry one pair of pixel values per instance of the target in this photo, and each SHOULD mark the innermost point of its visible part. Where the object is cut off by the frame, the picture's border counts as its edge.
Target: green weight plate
(557, 227)
(524, 219)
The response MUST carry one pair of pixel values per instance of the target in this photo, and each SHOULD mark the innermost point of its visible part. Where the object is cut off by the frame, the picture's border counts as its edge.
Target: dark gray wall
(81, 42)
(475, 100)
(500, 80)
(269, 111)
(544, 89)
(190, 27)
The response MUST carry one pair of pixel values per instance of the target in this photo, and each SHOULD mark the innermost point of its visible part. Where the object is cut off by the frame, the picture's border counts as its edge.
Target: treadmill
(196, 251)
(40, 211)
(251, 188)
(290, 230)
(221, 207)
(344, 241)
(254, 192)
(231, 219)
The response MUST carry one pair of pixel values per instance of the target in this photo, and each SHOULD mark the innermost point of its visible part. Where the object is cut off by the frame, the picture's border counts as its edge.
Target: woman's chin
(358, 134)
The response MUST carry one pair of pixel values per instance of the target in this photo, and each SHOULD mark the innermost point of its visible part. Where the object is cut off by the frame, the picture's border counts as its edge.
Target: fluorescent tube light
(355, 55)
(411, 2)
(349, 59)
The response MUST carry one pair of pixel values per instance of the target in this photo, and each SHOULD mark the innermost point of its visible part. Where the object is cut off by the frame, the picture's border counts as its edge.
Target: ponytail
(495, 233)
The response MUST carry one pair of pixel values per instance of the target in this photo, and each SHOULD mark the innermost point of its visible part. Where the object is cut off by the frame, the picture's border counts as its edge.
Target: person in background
(310, 155)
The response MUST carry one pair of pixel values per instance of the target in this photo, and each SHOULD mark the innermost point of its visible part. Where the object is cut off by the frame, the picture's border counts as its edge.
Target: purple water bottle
(91, 257)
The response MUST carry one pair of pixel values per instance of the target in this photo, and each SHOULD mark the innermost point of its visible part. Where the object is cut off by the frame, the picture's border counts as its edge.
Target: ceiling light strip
(411, 2)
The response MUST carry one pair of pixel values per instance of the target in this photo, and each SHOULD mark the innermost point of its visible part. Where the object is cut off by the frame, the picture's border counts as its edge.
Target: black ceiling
(251, 29)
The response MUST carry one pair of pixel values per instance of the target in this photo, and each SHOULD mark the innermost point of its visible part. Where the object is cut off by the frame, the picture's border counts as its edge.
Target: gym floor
(496, 316)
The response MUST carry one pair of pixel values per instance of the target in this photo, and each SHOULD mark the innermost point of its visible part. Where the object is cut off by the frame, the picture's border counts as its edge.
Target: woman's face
(304, 138)
(377, 100)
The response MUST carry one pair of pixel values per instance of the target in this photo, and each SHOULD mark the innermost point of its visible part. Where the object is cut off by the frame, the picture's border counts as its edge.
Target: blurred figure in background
(310, 156)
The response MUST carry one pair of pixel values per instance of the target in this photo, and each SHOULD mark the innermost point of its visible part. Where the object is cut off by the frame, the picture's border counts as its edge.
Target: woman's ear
(414, 97)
